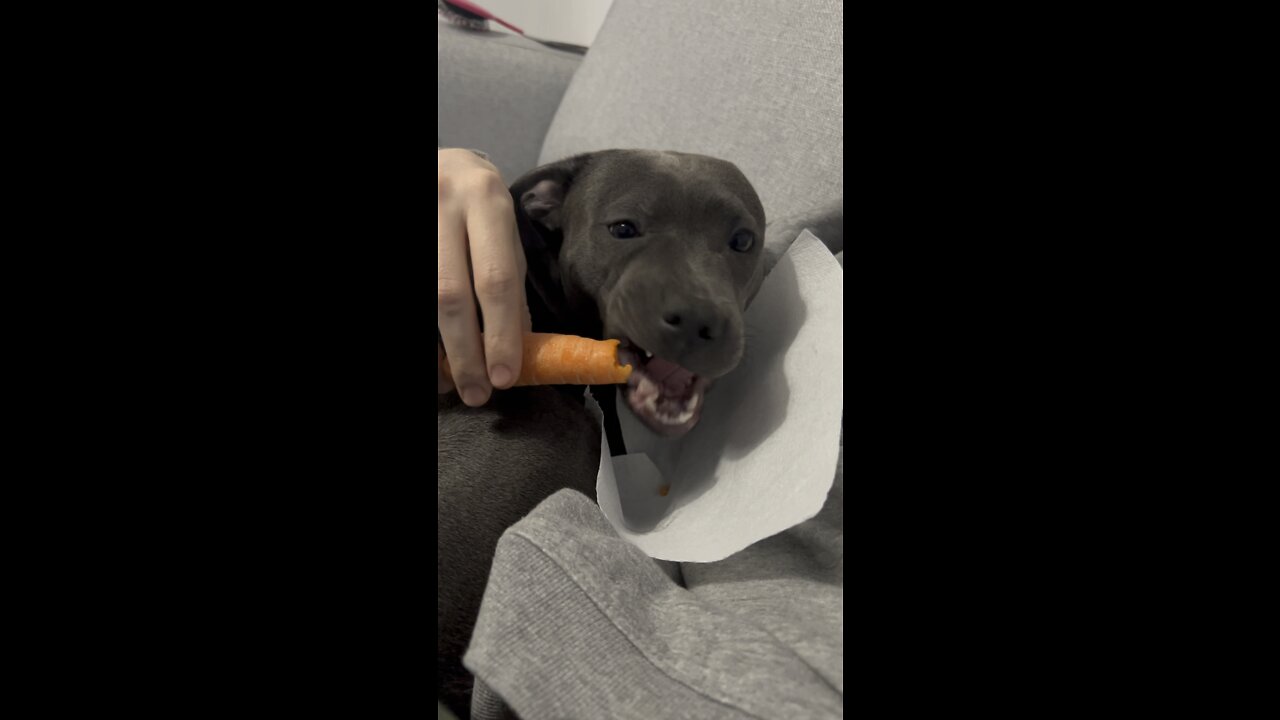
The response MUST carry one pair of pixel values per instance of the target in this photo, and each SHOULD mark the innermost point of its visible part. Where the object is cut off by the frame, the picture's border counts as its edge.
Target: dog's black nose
(693, 324)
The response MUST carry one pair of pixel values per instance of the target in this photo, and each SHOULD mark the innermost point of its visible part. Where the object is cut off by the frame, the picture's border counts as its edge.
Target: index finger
(456, 312)
(498, 273)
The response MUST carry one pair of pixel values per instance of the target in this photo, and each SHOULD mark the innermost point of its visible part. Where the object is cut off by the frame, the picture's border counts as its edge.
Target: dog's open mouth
(665, 396)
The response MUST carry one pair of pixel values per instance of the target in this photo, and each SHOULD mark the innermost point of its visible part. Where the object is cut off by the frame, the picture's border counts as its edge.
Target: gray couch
(760, 634)
(758, 83)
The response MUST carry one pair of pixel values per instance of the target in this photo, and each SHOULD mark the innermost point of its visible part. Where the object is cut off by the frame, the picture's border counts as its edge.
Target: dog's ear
(539, 196)
(541, 191)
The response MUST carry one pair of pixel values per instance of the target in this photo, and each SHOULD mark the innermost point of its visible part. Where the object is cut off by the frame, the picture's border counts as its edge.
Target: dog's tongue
(673, 378)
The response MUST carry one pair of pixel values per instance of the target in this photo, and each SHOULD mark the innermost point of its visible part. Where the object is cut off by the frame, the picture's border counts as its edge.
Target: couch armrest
(498, 93)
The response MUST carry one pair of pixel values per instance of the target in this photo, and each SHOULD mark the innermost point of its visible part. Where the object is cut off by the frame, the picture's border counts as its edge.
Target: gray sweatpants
(578, 623)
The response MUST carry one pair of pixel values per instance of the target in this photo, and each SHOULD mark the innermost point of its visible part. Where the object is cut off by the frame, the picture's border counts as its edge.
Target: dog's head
(666, 250)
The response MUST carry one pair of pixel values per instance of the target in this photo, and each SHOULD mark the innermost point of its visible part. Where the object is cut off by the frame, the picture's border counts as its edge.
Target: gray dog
(661, 250)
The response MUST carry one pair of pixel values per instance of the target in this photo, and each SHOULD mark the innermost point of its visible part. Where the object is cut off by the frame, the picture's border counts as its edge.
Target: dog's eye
(742, 240)
(623, 230)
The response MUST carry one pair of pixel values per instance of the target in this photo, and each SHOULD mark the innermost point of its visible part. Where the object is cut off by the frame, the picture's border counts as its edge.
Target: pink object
(473, 8)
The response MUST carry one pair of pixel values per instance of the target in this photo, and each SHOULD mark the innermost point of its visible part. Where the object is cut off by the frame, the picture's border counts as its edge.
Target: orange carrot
(568, 360)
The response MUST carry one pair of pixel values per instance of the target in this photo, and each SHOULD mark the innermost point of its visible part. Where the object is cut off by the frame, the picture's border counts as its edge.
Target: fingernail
(473, 396)
(500, 375)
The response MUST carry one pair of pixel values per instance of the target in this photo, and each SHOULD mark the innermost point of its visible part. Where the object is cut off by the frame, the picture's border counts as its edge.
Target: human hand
(478, 258)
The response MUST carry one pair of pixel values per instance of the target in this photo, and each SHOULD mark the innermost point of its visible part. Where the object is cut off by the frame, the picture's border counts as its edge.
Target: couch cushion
(497, 93)
(759, 83)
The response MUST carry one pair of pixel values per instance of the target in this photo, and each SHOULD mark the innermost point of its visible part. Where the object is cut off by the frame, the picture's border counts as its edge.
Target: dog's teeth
(667, 419)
